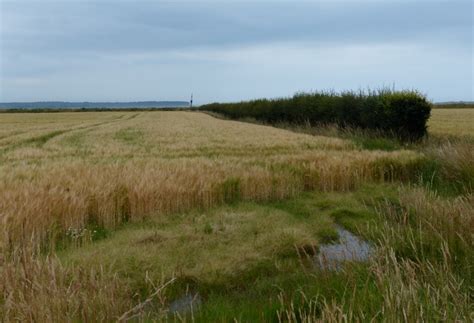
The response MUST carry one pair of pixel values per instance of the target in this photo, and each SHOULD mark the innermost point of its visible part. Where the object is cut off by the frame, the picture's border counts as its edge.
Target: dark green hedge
(403, 114)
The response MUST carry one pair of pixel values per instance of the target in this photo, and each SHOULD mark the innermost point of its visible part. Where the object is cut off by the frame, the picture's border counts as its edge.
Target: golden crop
(61, 171)
(459, 122)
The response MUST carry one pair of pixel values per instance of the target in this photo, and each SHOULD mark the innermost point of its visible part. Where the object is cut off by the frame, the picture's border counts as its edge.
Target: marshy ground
(101, 210)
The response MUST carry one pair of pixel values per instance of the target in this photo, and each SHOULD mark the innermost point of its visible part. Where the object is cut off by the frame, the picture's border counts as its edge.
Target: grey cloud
(86, 50)
(147, 26)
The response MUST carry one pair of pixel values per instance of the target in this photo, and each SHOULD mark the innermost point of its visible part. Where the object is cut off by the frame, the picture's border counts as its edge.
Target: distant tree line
(454, 105)
(53, 110)
(92, 105)
(403, 114)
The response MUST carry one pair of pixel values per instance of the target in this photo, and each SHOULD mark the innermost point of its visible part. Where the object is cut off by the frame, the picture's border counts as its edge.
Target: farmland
(457, 122)
(122, 215)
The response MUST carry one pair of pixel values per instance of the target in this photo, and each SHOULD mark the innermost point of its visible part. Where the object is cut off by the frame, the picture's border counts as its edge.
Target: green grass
(380, 143)
(130, 136)
(248, 261)
(240, 258)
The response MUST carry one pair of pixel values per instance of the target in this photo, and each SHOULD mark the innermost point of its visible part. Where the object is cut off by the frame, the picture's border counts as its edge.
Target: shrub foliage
(403, 114)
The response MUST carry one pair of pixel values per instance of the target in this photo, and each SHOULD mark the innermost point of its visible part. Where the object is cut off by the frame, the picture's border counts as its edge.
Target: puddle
(348, 248)
(185, 304)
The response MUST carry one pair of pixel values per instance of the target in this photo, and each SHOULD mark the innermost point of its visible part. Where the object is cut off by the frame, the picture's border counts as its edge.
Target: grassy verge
(232, 255)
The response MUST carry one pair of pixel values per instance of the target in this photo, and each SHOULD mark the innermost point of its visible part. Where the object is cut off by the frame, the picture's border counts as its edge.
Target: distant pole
(191, 101)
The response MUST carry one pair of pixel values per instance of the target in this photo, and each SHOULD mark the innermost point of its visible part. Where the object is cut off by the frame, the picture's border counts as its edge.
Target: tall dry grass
(35, 289)
(454, 161)
(44, 291)
(423, 270)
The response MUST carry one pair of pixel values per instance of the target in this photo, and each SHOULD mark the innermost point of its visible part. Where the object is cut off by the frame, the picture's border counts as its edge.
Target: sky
(231, 50)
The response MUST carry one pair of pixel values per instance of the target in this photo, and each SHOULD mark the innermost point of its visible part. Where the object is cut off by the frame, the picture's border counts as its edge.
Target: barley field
(112, 216)
(73, 168)
(458, 122)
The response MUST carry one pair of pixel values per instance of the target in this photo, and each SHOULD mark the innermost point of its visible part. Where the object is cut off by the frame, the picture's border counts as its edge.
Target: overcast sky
(227, 50)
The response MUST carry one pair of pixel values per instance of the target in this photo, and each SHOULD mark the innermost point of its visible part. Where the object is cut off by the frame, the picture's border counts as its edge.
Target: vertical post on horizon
(191, 102)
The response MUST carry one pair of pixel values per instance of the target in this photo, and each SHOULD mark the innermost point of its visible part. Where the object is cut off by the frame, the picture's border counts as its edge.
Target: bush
(402, 114)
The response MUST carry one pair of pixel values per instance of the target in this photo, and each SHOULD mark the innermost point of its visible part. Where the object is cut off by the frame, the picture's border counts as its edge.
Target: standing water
(187, 303)
(348, 248)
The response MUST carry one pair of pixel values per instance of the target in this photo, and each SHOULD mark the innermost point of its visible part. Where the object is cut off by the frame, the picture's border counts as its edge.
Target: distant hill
(92, 105)
(454, 105)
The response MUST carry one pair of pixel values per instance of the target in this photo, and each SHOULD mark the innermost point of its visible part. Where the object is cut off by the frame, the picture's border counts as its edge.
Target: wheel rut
(40, 141)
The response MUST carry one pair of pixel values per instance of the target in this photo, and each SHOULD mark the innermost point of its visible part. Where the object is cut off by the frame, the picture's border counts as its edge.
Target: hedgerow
(403, 114)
